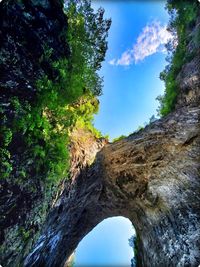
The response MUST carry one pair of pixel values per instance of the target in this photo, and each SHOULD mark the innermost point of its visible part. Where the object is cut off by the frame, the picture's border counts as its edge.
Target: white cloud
(112, 62)
(126, 58)
(151, 40)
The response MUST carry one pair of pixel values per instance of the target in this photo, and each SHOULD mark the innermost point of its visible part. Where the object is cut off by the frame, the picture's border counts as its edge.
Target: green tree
(65, 97)
(183, 15)
(87, 37)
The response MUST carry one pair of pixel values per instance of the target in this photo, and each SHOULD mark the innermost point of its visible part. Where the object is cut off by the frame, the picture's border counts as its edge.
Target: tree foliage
(64, 99)
(183, 15)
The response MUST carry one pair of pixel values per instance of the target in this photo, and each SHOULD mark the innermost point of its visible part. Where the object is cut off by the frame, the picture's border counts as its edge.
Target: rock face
(189, 75)
(150, 177)
(27, 30)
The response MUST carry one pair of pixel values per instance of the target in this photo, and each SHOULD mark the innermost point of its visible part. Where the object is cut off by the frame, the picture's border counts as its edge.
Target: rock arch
(150, 177)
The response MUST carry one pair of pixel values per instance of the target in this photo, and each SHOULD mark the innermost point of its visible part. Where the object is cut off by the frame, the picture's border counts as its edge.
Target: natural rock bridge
(152, 178)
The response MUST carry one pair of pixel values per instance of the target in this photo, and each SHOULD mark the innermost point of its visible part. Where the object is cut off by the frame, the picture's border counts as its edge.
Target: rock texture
(150, 177)
(27, 30)
(188, 78)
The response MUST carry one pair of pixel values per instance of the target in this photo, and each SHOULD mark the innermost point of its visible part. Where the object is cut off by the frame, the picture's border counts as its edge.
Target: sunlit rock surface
(150, 177)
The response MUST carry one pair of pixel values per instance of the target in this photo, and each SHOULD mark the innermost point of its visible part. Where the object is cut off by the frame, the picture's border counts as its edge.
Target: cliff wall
(150, 177)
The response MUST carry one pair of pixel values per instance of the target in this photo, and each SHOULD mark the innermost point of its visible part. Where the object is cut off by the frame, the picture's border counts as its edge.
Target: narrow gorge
(151, 177)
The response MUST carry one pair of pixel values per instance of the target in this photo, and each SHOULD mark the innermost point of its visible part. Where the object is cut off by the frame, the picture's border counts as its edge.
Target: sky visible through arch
(135, 57)
(106, 245)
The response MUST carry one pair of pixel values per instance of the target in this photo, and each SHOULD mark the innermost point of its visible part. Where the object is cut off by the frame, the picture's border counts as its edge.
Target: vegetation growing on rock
(183, 15)
(65, 96)
(49, 86)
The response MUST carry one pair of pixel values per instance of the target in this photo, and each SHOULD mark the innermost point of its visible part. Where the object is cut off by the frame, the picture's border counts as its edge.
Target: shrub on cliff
(183, 15)
(43, 124)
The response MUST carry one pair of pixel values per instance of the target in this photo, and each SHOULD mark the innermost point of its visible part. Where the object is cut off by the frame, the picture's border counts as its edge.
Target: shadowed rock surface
(150, 177)
(27, 30)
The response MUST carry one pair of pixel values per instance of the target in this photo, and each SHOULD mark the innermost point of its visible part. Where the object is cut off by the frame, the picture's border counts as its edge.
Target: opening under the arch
(107, 244)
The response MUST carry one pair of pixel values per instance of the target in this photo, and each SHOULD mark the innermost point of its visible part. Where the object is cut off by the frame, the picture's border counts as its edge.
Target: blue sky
(107, 244)
(130, 91)
(134, 59)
